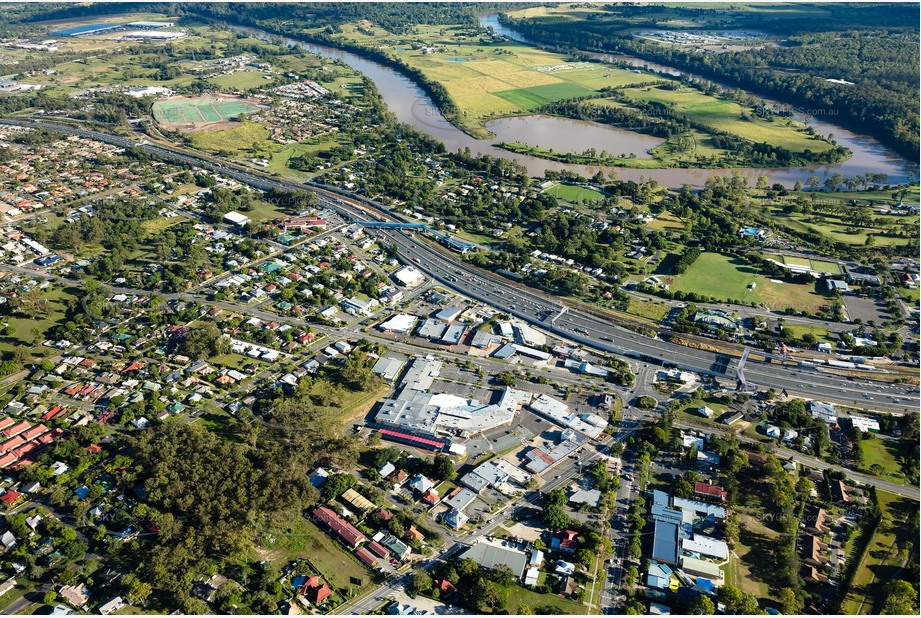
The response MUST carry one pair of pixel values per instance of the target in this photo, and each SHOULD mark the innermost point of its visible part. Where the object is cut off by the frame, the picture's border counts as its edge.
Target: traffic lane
(359, 214)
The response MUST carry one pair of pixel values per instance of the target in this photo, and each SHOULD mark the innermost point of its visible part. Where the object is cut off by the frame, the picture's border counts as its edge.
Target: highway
(536, 308)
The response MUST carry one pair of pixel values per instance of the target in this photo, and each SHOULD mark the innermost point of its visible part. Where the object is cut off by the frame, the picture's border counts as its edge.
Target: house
(811, 549)
(709, 491)
(8, 540)
(346, 532)
(659, 576)
(705, 412)
(77, 595)
(421, 484)
(111, 606)
(318, 594)
(838, 492)
(564, 568)
(455, 519)
(564, 540)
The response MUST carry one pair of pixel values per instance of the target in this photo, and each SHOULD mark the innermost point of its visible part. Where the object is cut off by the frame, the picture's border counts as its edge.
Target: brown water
(411, 105)
(568, 135)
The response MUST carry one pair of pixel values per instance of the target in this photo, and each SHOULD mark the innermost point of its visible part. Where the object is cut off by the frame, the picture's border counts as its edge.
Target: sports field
(726, 278)
(193, 112)
(574, 194)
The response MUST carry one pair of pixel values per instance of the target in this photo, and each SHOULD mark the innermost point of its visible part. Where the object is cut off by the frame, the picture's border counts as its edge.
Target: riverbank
(412, 105)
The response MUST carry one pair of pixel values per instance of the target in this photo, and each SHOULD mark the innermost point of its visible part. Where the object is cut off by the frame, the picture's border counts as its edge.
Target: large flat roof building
(490, 554)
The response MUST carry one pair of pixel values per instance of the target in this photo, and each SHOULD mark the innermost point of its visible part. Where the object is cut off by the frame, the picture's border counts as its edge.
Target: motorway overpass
(535, 308)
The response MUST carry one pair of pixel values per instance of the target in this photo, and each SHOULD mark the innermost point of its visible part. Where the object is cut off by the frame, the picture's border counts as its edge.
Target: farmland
(487, 81)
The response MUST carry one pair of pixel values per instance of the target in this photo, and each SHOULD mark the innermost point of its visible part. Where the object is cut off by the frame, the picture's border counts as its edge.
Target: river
(413, 106)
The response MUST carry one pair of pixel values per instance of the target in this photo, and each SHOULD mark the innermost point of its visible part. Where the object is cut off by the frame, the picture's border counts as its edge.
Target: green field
(574, 194)
(199, 110)
(821, 266)
(300, 538)
(537, 96)
(800, 330)
(725, 115)
(882, 562)
(241, 80)
(51, 312)
(651, 309)
(726, 278)
(883, 453)
(518, 596)
(491, 79)
(833, 226)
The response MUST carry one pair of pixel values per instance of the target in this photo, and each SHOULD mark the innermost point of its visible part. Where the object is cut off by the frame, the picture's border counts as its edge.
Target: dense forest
(878, 53)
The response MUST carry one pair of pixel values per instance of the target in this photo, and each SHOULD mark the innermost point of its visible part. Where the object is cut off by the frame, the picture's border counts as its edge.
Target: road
(527, 305)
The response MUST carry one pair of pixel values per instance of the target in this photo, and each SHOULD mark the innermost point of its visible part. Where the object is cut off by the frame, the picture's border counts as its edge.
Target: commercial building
(347, 533)
(389, 367)
(491, 554)
(408, 276)
(87, 30)
(237, 219)
(400, 323)
(706, 546)
(432, 329)
(558, 412)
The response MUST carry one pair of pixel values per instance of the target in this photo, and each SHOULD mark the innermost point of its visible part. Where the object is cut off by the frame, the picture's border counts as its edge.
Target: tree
(702, 606)
(422, 582)
(901, 598)
(737, 602)
(443, 468)
(555, 517)
(50, 597)
(136, 591)
(585, 557)
(205, 341)
(789, 603)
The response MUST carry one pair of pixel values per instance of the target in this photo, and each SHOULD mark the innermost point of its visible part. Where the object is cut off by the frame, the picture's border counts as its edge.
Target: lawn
(728, 279)
(653, 310)
(298, 538)
(749, 571)
(665, 221)
(241, 80)
(875, 450)
(518, 596)
(574, 194)
(882, 561)
(800, 330)
(54, 308)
